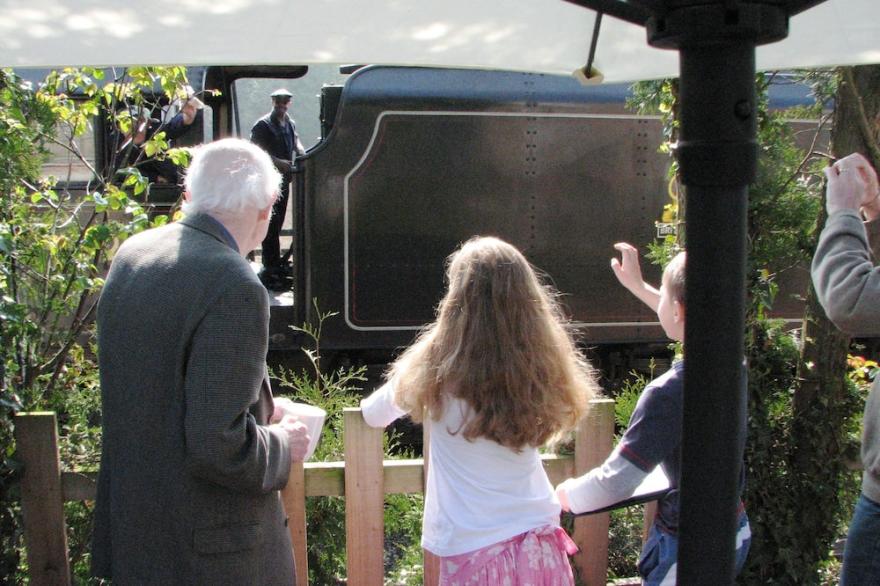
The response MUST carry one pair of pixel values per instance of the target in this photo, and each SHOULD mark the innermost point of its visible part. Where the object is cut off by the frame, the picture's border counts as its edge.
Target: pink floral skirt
(535, 558)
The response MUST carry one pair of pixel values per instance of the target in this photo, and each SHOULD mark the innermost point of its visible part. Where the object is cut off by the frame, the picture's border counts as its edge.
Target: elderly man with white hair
(195, 449)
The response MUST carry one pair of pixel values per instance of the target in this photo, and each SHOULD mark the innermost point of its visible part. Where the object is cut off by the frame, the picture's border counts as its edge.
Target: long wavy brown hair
(501, 344)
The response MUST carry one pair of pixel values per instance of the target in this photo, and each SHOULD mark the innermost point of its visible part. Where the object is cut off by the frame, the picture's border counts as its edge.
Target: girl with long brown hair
(495, 377)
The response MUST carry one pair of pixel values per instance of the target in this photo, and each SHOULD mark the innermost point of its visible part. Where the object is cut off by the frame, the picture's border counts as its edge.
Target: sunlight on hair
(499, 343)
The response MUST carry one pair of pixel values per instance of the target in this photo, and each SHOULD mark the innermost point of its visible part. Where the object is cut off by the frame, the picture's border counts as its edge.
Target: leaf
(179, 157)
(115, 200)
(97, 234)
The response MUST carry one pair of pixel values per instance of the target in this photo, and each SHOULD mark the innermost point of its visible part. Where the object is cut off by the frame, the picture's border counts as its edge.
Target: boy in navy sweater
(653, 437)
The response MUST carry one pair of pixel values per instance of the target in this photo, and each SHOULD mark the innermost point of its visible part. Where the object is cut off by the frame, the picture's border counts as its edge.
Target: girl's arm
(629, 273)
(379, 408)
(605, 485)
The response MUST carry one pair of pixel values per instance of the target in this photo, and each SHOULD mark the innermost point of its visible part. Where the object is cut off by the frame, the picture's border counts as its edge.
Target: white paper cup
(313, 418)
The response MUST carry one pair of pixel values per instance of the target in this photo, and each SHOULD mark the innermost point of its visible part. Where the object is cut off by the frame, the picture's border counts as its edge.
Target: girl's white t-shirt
(477, 492)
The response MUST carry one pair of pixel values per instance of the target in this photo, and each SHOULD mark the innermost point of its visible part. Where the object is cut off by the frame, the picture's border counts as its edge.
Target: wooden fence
(363, 479)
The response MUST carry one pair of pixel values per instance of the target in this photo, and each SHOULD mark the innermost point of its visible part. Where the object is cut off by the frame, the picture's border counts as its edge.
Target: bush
(55, 246)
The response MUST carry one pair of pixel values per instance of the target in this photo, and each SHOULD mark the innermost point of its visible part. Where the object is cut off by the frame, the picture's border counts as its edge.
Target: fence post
(364, 501)
(42, 505)
(593, 443)
(294, 498)
(430, 562)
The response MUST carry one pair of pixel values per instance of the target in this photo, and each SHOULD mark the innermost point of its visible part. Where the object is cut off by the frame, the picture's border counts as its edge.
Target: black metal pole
(717, 155)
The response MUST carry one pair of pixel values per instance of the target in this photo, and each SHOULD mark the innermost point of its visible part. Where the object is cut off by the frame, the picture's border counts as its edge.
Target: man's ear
(265, 214)
(187, 196)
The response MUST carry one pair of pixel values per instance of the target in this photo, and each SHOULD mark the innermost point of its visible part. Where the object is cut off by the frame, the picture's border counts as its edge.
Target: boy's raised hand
(629, 272)
(627, 269)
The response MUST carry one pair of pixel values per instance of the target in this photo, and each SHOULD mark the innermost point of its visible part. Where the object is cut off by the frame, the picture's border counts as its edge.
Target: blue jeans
(861, 557)
(658, 562)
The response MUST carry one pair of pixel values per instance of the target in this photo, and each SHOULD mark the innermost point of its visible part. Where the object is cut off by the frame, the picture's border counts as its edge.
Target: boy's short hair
(673, 277)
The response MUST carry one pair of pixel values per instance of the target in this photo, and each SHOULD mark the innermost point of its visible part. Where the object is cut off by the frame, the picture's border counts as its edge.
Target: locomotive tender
(419, 160)
(413, 161)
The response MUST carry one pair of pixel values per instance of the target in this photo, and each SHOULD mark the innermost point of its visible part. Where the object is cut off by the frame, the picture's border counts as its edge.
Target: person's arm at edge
(300, 149)
(846, 280)
(844, 274)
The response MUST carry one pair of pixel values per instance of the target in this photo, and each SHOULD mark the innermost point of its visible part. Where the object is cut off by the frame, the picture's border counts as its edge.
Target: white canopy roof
(530, 35)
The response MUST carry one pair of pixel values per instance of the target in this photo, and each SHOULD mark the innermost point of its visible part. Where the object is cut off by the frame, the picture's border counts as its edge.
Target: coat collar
(212, 227)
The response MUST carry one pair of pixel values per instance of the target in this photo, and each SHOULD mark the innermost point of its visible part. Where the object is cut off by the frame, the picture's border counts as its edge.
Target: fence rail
(363, 479)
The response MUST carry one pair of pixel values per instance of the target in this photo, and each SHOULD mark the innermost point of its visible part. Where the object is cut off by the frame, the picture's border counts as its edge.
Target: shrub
(55, 246)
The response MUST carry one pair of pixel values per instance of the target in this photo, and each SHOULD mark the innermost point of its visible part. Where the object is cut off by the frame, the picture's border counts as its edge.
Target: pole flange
(718, 23)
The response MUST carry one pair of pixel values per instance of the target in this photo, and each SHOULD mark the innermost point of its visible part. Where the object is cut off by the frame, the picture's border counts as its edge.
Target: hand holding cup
(298, 437)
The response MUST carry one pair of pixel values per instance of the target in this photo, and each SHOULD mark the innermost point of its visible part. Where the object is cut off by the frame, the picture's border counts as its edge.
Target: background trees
(57, 236)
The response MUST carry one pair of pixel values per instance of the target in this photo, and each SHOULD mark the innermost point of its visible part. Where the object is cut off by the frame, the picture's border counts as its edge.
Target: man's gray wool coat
(189, 478)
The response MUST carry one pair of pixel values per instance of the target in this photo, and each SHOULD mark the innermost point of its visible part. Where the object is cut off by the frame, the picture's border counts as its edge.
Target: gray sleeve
(611, 482)
(224, 374)
(846, 279)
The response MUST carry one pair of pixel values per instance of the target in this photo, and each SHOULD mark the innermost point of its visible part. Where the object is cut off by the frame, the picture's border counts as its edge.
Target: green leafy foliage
(790, 544)
(626, 398)
(56, 242)
(625, 542)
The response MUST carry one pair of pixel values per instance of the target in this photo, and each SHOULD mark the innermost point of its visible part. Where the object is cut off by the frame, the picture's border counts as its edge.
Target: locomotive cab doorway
(247, 92)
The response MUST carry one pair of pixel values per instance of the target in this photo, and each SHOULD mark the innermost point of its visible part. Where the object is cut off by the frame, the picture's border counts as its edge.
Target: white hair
(230, 176)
